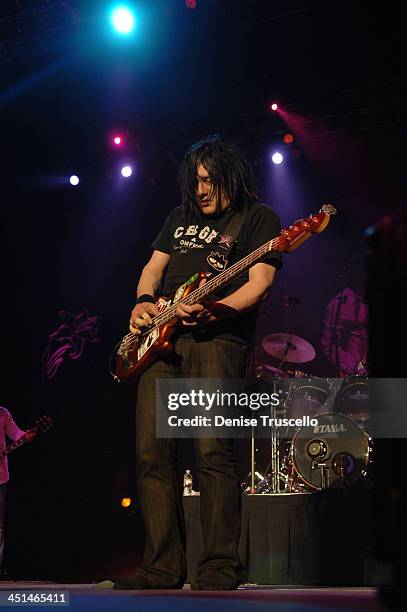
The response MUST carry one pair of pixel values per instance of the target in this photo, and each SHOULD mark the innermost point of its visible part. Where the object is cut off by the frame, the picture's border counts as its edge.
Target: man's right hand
(141, 315)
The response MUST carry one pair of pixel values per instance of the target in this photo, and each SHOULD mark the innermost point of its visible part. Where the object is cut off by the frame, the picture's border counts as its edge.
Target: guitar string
(193, 296)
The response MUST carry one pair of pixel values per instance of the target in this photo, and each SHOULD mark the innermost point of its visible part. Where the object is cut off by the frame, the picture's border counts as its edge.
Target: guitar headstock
(291, 237)
(43, 423)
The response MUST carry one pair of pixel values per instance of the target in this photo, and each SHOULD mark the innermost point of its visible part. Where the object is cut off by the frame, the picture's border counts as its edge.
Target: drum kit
(335, 452)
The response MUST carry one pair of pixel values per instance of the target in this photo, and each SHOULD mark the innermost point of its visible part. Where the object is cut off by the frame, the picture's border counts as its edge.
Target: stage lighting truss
(22, 22)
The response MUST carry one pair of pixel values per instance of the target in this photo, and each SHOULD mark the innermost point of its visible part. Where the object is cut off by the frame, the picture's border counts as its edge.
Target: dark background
(338, 72)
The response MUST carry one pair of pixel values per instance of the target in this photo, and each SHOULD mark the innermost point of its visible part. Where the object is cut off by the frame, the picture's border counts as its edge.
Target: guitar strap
(217, 260)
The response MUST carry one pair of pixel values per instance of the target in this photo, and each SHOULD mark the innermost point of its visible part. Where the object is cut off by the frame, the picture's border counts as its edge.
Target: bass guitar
(136, 352)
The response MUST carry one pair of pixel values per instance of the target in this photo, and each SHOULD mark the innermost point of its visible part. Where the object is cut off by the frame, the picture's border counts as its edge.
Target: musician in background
(345, 334)
(217, 185)
(8, 429)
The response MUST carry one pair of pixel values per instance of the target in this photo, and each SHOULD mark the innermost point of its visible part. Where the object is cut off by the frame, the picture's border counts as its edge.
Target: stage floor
(249, 597)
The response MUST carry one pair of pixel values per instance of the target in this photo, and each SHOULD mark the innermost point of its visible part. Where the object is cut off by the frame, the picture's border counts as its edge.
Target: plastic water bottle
(188, 483)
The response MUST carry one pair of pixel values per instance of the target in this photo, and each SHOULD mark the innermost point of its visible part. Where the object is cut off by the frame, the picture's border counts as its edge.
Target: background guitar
(43, 423)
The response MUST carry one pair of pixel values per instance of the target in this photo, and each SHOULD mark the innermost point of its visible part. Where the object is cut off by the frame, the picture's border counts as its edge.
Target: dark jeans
(158, 486)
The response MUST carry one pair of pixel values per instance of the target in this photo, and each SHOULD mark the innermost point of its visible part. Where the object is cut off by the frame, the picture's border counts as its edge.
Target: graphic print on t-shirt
(193, 237)
(216, 260)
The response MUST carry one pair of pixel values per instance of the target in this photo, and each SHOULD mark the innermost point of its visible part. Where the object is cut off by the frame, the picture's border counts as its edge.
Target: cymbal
(288, 347)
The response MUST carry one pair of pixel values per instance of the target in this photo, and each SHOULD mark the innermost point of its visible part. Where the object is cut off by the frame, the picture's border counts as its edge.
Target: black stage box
(320, 538)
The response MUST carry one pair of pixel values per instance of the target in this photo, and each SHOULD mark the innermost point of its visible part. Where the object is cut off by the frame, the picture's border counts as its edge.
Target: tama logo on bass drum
(333, 428)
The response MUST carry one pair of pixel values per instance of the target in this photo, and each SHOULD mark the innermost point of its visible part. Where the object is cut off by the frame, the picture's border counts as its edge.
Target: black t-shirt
(193, 248)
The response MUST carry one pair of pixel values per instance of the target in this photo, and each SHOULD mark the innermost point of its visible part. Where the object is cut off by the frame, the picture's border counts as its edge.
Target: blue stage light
(74, 180)
(123, 19)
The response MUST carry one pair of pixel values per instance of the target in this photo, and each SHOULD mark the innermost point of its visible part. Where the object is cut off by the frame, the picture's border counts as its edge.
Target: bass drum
(335, 453)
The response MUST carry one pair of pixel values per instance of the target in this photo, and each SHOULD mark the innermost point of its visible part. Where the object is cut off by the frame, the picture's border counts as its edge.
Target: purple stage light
(117, 140)
(74, 180)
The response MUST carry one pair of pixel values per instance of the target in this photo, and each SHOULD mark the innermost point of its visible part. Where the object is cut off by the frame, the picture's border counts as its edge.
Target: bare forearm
(246, 297)
(242, 300)
(149, 282)
(261, 278)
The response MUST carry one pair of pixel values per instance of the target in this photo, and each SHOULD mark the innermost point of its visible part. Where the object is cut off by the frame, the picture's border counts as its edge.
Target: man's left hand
(202, 315)
(192, 315)
(30, 435)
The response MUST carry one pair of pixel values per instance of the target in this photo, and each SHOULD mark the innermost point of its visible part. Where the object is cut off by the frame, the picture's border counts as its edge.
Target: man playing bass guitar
(212, 340)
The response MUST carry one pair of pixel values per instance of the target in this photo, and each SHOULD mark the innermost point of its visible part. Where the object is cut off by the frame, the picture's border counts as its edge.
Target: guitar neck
(230, 274)
(23, 440)
(288, 240)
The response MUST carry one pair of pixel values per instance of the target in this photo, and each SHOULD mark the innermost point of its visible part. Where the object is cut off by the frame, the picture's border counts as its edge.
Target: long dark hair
(229, 171)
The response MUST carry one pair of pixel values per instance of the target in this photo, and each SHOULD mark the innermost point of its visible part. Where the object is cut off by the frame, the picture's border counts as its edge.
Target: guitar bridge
(126, 345)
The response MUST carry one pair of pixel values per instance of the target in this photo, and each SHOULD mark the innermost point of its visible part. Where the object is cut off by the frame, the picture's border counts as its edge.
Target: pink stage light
(274, 106)
(117, 140)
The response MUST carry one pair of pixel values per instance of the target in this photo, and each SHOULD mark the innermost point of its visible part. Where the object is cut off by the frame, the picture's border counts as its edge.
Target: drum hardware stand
(252, 474)
(253, 464)
(253, 488)
(274, 463)
(280, 475)
(324, 473)
(253, 479)
(275, 456)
